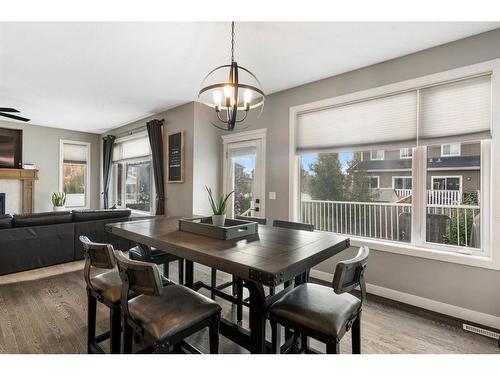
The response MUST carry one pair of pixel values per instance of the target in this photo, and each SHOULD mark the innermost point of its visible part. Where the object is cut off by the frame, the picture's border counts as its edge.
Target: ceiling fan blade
(14, 117)
(8, 110)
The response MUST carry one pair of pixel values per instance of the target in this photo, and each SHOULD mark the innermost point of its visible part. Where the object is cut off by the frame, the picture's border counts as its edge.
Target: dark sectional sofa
(43, 239)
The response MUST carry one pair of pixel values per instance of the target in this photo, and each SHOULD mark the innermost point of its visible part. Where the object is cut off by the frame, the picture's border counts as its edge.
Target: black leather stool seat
(108, 284)
(317, 308)
(176, 309)
(157, 256)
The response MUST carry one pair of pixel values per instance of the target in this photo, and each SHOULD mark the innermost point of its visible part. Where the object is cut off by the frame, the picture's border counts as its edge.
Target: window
(132, 179)
(436, 201)
(339, 194)
(74, 172)
(374, 182)
(447, 183)
(453, 209)
(377, 155)
(406, 153)
(401, 182)
(450, 149)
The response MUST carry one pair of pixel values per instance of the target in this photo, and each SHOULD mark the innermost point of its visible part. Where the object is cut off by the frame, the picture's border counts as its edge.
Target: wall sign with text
(175, 152)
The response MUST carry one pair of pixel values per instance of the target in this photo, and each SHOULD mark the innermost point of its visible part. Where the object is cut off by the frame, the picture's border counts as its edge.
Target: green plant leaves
(58, 199)
(220, 207)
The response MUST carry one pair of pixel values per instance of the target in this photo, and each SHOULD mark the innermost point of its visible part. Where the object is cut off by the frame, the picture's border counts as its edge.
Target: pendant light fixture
(231, 92)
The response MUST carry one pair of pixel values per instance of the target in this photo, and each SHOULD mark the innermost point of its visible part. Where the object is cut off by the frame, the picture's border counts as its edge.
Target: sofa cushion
(5, 221)
(26, 248)
(89, 215)
(42, 218)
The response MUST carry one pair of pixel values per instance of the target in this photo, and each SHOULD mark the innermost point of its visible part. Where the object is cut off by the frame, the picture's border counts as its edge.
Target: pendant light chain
(232, 41)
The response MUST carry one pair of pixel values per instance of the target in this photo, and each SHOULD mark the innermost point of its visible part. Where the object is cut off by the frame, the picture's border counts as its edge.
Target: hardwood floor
(44, 311)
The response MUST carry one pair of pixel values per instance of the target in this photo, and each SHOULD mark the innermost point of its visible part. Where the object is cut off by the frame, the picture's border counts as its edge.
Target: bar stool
(162, 316)
(106, 288)
(152, 255)
(312, 310)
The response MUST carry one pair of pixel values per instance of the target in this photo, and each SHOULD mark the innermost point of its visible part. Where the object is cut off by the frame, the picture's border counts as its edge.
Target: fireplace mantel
(27, 178)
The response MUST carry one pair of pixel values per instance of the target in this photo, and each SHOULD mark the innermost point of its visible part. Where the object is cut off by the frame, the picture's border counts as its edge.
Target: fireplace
(19, 186)
(2, 203)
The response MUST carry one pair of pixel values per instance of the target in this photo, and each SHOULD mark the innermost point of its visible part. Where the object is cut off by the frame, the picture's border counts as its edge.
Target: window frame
(114, 186)
(485, 250)
(402, 177)
(401, 154)
(460, 179)
(377, 151)
(490, 165)
(62, 142)
(459, 153)
(378, 182)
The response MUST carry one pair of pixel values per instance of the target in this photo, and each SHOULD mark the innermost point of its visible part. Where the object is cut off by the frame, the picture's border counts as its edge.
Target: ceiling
(96, 76)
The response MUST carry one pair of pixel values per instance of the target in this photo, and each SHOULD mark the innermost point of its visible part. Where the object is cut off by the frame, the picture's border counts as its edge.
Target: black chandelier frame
(231, 108)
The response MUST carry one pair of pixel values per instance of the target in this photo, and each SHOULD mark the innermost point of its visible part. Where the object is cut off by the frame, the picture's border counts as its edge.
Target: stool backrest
(349, 274)
(293, 225)
(99, 255)
(260, 220)
(140, 277)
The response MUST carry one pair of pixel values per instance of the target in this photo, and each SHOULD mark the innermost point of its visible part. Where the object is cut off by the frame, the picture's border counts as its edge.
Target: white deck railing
(445, 197)
(403, 192)
(388, 221)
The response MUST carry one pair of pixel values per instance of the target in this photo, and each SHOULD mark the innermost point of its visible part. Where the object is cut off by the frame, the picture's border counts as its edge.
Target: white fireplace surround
(13, 195)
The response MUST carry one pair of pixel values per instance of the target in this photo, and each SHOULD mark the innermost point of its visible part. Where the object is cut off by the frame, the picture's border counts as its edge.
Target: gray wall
(464, 286)
(202, 145)
(207, 161)
(41, 147)
(179, 200)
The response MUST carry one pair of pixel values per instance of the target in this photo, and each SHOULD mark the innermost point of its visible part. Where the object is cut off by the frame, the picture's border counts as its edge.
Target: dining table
(270, 257)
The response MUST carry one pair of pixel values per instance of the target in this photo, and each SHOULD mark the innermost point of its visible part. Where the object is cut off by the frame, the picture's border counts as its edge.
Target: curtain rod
(135, 130)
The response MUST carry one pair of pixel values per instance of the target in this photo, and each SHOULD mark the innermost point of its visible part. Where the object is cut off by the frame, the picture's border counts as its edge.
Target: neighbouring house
(453, 172)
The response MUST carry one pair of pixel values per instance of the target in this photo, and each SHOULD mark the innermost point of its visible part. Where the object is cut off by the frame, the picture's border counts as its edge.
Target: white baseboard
(424, 303)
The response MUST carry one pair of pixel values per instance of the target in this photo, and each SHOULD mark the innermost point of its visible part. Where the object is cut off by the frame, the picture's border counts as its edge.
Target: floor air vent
(481, 331)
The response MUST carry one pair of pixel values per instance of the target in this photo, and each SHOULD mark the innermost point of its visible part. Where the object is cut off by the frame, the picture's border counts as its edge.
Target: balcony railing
(446, 197)
(448, 224)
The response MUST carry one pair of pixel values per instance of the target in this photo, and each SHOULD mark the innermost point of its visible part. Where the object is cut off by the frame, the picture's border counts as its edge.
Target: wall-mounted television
(11, 148)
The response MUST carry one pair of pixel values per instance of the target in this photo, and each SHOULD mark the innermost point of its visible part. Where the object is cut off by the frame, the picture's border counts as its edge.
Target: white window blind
(131, 148)
(455, 111)
(379, 121)
(74, 153)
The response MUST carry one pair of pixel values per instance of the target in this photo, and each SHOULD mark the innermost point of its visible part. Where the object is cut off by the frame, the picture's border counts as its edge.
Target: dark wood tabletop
(271, 257)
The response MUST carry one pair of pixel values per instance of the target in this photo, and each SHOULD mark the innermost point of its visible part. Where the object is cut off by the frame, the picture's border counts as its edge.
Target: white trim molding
(403, 153)
(422, 302)
(259, 137)
(378, 157)
(245, 136)
(88, 164)
(437, 177)
(456, 145)
(403, 178)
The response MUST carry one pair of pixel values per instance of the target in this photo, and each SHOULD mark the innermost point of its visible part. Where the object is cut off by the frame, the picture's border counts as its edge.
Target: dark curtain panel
(156, 140)
(107, 160)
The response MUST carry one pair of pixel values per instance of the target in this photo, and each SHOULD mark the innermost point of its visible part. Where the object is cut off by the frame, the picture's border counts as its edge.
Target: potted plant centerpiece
(58, 200)
(219, 209)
